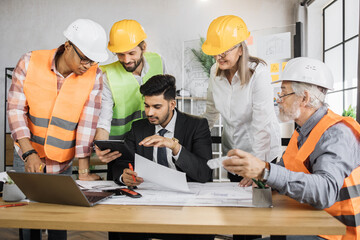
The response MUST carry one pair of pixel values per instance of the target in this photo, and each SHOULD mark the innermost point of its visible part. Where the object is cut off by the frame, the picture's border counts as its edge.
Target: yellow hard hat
(224, 32)
(125, 35)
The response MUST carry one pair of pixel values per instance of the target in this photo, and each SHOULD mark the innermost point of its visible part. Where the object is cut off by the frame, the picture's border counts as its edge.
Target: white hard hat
(308, 70)
(89, 37)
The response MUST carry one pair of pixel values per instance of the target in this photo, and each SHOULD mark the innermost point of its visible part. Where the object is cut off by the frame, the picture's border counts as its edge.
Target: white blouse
(248, 113)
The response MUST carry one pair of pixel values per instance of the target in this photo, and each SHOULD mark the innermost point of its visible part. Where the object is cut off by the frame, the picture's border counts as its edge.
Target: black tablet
(116, 145)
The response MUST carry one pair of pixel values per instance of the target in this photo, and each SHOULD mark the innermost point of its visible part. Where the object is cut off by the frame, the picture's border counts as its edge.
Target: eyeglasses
(285, 95)
(83, 60)
(223, 55)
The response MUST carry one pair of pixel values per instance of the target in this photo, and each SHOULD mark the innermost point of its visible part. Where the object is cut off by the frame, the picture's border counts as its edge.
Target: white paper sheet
(216, 162)
(274, 46)
(97, 185)
(208, 194)
(3, 176)
(160, 175)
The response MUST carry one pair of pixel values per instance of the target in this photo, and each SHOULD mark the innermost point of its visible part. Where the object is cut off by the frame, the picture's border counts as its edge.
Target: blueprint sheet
(207, 194)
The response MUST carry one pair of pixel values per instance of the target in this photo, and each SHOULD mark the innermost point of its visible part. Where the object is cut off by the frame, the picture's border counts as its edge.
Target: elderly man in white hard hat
(321, 163)
(122, 103)
(54, 102)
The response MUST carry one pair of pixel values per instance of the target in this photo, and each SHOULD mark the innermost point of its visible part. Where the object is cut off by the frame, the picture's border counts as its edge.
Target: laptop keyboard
(94, 199)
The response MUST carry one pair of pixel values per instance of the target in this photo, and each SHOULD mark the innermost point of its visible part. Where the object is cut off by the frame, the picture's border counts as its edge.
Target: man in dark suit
(168, 137)
(185, 145)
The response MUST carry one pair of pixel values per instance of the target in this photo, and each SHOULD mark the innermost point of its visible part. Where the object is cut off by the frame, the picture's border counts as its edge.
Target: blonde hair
(244, 71)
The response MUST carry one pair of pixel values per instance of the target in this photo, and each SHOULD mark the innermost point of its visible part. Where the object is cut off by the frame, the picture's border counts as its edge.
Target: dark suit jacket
(193, 134)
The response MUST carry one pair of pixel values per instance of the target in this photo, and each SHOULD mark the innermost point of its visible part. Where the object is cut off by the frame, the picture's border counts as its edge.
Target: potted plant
(350, 112)
(206, 61)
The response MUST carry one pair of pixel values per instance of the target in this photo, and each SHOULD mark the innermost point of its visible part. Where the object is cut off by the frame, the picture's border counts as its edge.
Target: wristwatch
(28, 153)
(84, 171)
(266, 172)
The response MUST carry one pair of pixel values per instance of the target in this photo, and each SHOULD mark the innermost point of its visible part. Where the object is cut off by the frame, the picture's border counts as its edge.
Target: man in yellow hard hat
(122, 102)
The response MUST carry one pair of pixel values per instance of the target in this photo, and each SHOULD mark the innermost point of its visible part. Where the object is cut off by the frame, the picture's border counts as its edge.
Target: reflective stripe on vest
(53, 116)
(53, 142)
(347, 207)
(43, 122)
(37, 139)
(123, 121)
(128, 102)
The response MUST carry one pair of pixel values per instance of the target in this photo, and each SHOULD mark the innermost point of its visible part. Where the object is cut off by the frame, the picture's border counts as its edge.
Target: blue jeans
(18, 163)
(31, 234)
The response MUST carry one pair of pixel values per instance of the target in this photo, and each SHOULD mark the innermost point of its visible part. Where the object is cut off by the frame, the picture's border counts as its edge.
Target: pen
(132, 169)
(13, 205)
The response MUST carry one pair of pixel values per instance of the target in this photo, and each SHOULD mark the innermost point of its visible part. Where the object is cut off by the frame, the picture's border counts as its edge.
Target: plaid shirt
(17, 110)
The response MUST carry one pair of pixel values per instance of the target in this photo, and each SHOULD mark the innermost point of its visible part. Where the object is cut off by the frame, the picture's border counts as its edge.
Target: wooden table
(288, 217)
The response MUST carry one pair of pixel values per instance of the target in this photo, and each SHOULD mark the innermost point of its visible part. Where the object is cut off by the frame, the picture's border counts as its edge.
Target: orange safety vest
(347, 207)
(53, 117)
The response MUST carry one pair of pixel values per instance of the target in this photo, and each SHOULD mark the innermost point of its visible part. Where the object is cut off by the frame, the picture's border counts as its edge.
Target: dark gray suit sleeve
(193, 161)
(120, 165)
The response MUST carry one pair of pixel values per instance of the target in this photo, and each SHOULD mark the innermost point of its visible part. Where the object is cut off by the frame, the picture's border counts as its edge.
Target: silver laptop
(55, 188)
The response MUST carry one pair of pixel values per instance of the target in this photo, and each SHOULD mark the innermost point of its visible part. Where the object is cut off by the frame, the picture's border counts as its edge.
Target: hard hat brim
(118, 49)
(96, 57)
(101, 57)
(296, 80)
(277, 81)
(208, 49)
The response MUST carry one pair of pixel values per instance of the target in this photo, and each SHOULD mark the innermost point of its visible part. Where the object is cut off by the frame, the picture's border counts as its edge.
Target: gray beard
(292, 114)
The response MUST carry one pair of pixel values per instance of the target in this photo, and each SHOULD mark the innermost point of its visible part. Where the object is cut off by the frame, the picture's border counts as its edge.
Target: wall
(315, 29)
(38, 24)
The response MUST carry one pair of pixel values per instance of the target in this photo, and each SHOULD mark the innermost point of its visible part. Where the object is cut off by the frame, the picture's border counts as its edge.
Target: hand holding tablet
(115, 145)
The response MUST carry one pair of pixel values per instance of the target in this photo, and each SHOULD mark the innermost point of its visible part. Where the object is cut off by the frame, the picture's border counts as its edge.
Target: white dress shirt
(107, 101)
(248, 113)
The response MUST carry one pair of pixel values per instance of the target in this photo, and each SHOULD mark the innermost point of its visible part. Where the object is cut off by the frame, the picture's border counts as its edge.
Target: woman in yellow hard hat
(240, 91)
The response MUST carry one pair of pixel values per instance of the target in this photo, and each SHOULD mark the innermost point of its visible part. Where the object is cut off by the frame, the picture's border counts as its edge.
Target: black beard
(135, 67)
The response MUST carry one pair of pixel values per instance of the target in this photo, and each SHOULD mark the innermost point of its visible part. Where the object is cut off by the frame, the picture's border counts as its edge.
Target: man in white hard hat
(122, 102)
(54, 103)
(321, 163)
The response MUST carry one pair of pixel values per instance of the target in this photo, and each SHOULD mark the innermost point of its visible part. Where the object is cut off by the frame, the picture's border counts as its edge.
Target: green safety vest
(128, 101)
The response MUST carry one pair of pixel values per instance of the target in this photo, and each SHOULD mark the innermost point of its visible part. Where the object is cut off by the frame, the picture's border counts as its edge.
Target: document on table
(227, 194)
(97, 185)
(155, 173)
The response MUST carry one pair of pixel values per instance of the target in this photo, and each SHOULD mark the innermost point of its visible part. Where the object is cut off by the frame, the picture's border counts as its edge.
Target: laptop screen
(54, 188)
